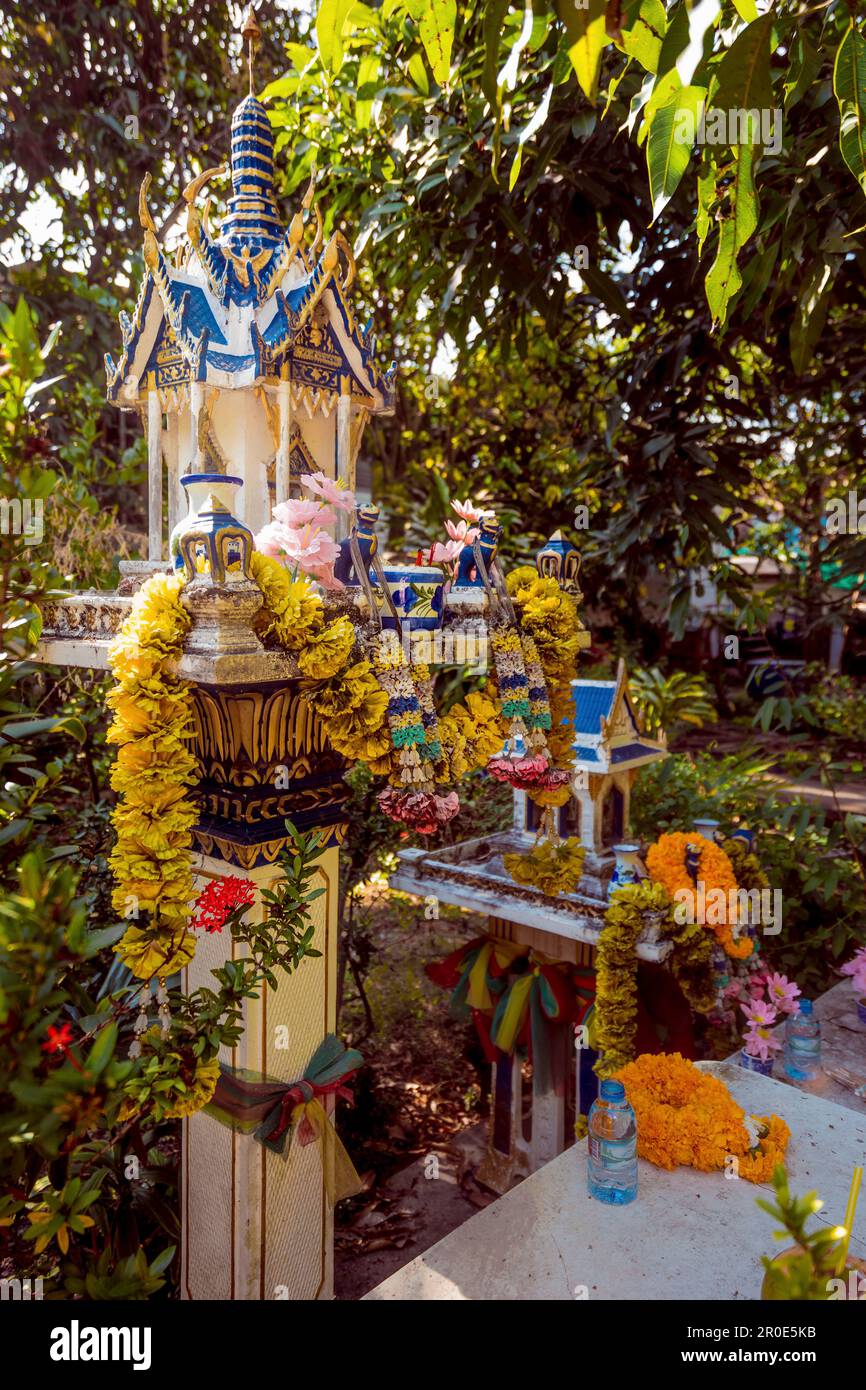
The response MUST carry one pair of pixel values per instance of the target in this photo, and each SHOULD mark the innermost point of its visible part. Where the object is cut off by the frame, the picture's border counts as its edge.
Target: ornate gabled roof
(608, 732)
(240, 309)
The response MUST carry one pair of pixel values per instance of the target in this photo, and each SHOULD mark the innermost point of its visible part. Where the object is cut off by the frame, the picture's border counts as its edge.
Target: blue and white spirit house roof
(609, 747)
(608, 735)
(243, 353)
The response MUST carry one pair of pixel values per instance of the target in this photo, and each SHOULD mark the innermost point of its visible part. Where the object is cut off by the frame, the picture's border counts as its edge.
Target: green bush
(815, 859)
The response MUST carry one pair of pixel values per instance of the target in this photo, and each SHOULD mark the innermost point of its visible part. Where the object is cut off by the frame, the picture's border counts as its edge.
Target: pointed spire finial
(252, 36)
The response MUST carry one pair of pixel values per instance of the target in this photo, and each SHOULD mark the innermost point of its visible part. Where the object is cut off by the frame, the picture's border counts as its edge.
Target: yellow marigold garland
(549, 616)
(152, 727)
(688, 1116)
(630, 909)
(554, 868)
(666, 862)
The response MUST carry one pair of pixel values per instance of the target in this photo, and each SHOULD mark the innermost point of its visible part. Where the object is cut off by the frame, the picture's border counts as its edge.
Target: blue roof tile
(584, 754)
(632, 750)
(592, 703)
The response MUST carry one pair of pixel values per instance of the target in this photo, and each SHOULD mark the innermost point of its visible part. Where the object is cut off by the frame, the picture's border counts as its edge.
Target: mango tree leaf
(802, 71)
(494, 15)
(643, 40)
(744, 72)
(812, 311)
(746, 9)
(670, 144)
(526, 134)
(368, 71)
(738, 224)
(587, 38)
(508, 75)
(331, 23)
(436, 21)
(849, 84)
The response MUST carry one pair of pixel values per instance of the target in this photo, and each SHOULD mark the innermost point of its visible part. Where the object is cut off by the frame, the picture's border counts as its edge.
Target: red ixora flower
(59, 1039)
(221, 897)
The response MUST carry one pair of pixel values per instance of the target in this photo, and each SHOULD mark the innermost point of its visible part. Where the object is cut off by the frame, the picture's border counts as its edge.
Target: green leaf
(746, 9)
(418, 73)
(368, 71)
(670, 143)
(103, 1049)
(643, 40)
(587, 38)
(436, 20)
(744, 72)
(494, 15)
(811, 312)
(802, 72)
(724, 279)
(331, 24)
(849, 84)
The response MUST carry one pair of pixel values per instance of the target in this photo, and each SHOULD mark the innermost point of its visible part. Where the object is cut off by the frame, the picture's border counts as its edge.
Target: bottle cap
(612, 1090)
(805, 1007)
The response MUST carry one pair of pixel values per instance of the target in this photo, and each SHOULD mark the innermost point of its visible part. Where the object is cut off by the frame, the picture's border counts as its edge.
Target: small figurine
(468, 576)
(363, 531)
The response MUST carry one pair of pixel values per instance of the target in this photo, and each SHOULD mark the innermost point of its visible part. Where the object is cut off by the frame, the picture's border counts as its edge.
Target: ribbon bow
(276, 1112)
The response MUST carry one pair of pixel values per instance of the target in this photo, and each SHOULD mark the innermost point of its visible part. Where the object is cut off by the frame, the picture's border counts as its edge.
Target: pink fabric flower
(782, 993)
(424, 812)
(339, 497)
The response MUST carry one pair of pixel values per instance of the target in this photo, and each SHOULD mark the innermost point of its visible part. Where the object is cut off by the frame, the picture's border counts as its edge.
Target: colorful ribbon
(516, 1007)
(278, 1112)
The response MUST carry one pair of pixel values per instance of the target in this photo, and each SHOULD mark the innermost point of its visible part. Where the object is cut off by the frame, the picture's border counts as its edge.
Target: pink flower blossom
(856, 968)
(782, 993)
(308, 548)
(445, 554)
(759, 1013)
(461, 532)
(467, 511)
(760, 1042)
(339, 497)
(298, 512)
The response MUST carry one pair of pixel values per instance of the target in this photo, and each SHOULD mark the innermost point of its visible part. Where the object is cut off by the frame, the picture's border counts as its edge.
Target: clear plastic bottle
(611, 1168)
(803, 1044)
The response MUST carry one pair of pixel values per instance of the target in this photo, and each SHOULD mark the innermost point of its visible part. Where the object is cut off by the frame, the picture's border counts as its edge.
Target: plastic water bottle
(803, 1044)
(612, 1162)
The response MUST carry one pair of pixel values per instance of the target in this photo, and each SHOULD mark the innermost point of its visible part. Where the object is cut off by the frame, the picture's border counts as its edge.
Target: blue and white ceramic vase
(758, 1064)
(198, 487)
(418, 595)
(628, 868)
(708, 828)
(210, 539)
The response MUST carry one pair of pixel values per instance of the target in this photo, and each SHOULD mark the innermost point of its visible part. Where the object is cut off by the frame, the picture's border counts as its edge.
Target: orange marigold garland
(688, 1116)
(666, 862)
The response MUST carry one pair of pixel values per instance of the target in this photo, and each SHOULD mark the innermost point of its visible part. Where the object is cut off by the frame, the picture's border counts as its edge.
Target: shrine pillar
(257, 1224)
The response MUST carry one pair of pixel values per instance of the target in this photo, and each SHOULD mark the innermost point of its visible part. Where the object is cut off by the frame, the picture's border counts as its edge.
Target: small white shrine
(609, 746)
(243, 354)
